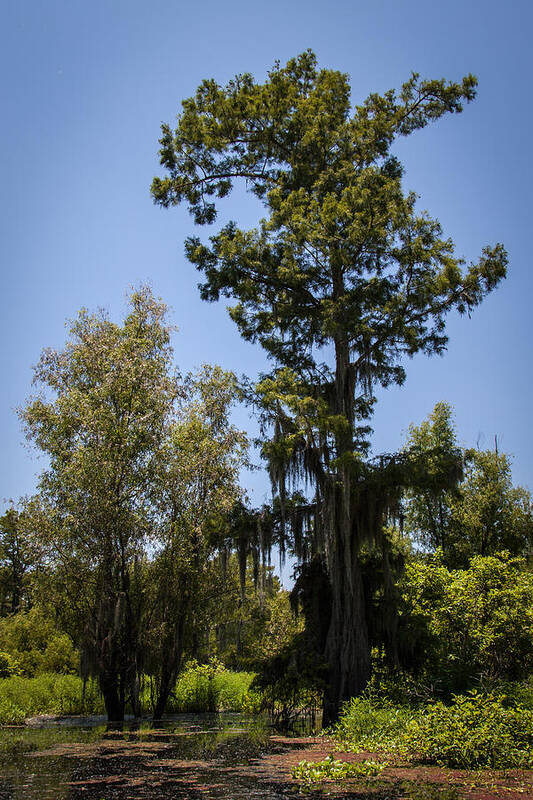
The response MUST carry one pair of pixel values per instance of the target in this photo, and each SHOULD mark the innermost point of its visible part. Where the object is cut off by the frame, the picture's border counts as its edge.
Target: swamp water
(186, 756)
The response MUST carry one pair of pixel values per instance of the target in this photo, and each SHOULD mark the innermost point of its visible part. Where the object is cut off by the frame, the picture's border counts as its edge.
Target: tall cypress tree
(340, 280)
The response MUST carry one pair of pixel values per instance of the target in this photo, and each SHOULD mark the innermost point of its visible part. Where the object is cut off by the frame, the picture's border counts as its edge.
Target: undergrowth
(371, 723)
(476, 730)
(209, 687)
(48, 693)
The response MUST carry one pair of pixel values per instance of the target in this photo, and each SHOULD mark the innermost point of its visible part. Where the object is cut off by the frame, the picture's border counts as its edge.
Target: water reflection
(189, 756)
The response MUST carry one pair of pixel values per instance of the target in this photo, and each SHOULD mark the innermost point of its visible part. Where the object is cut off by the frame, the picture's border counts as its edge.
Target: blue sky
(85, 88)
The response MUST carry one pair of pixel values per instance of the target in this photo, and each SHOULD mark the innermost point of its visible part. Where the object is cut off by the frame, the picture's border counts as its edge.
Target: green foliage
(36, 645)
(19, 555)
(518, 693)
(466, 626)
(428, 515)
(8, 665)
(291, 681)
(483, 514)
(209, 687)
(490, 514)
(371, 723)
(279, 630)
(474, 731)
(249, 626)
(47, 694)
(308, 773)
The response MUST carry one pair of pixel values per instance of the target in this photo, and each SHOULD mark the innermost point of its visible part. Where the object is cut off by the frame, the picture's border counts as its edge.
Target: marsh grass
(48, 693)
(199, 688)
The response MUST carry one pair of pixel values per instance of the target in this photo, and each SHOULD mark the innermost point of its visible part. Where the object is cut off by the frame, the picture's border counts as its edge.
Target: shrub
(209, 687)
(37, 646)
(8, 665)
(371, 723)
(474, 731)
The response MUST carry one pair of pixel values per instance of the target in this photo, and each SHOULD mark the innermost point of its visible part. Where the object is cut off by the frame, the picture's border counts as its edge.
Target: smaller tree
(428, 516)
(109, 393)
(482, 515)
(196, 487)
(490, 513)
(19, 556)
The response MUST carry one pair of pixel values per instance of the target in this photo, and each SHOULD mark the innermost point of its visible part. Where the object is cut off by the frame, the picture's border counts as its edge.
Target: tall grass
(48, 693)
(199, 688)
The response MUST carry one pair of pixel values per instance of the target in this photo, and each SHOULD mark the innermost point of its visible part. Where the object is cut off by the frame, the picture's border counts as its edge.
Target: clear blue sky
(85, 88)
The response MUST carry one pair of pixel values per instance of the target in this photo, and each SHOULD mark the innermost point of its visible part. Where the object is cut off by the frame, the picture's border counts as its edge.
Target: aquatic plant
(310, 772)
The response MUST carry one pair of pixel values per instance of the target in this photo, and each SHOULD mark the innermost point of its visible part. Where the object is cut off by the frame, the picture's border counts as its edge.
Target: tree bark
(113, 696)
(169, 670)
(347, 646)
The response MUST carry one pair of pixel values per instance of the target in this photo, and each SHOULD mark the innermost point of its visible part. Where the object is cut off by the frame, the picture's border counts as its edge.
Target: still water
(187, 756)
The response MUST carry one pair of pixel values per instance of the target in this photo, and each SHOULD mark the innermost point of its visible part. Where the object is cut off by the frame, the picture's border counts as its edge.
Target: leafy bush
(311, 772)
(47, 694)
(474, 731)
(231, 689)
(518, 693)
(463, 627)
(36, 645)
(371, 723)
(253, 702)
(8, 665)
(209, 687)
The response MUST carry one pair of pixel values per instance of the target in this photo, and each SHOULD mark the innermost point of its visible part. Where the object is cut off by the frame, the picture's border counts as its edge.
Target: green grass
(198, 689)
(49, 693)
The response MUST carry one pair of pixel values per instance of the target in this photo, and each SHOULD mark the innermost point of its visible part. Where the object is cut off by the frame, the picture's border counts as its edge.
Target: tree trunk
(113, 696)
(171, 664)
(347, 646)
(166, 682)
